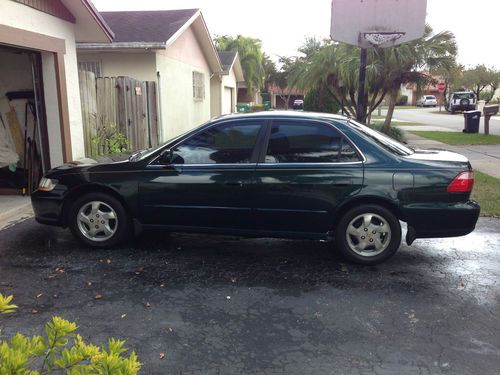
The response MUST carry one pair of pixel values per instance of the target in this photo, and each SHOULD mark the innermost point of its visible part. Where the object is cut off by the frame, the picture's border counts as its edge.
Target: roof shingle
(147, 26)
(227, 59)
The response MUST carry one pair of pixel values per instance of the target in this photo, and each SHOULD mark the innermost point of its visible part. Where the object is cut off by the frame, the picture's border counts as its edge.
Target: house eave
(121, 45)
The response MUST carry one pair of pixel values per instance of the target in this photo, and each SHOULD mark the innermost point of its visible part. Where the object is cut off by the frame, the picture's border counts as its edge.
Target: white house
(173, 48)
(38, 69)
(224, 87)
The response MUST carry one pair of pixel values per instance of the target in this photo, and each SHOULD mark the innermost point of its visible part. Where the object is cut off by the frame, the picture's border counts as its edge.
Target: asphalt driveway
(223, 305)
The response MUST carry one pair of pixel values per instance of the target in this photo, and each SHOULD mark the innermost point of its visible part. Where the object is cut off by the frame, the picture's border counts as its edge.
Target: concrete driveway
(224, 305)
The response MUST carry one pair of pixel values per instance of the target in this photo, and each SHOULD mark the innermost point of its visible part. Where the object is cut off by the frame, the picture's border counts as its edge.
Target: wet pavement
(224, 305)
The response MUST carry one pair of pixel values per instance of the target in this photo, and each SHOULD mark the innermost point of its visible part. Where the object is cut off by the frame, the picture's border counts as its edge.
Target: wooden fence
(112, 105)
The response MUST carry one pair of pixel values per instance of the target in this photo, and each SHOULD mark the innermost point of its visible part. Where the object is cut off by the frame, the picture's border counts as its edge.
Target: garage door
(227, 101)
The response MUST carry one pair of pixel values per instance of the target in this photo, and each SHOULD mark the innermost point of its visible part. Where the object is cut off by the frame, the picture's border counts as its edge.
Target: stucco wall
(138, 65)
(22, 17)
(180, 112)
(215, 96)
(229, 81)
(220, 100)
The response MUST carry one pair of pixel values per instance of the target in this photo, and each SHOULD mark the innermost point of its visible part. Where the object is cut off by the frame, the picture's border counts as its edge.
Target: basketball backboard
(377, 23)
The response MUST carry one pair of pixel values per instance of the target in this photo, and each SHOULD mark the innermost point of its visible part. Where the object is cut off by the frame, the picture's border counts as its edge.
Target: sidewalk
(484, 158)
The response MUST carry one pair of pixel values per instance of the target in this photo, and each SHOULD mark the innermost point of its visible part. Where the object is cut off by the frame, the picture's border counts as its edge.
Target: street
(225, 305)
(440, 121)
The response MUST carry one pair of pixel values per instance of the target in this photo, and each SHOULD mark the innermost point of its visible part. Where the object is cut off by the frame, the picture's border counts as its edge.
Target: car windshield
(431, 97)
(383, 140)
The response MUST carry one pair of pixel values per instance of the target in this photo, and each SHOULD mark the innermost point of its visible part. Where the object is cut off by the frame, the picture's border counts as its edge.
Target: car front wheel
(99, 220)
(368, 234)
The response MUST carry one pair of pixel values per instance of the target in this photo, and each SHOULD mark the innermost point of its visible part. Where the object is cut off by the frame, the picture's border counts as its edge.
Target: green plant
(320, 100)
(5, 306)
(394, 133)
(110, 141)
(61, 350)
(257, 108)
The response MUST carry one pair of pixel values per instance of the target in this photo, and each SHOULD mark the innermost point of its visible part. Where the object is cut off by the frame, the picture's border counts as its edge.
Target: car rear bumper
(434, 220)
(48, 207)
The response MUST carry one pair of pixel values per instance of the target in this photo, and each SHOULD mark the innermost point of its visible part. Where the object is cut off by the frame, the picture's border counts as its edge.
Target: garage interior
(24, 152)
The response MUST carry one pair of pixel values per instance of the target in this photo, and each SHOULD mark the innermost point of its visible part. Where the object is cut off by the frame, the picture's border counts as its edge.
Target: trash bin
(243, 108)
(267, 105)
(472, 121)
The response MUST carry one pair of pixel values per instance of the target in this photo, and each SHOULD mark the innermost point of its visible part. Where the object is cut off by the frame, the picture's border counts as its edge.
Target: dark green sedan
(274, 174)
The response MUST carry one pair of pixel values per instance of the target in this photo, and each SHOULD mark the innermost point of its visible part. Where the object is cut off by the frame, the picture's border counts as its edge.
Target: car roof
(283, 114)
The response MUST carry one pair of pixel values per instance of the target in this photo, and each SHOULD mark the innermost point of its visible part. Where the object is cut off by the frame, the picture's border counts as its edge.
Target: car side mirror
(166, 157)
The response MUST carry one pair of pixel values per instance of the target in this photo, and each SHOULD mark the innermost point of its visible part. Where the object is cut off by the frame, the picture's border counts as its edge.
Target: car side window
(229, 143)
(302, 142)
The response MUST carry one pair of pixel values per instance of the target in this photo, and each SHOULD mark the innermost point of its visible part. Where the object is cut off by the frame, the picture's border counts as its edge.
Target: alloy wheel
(368, 234)
(97, 221)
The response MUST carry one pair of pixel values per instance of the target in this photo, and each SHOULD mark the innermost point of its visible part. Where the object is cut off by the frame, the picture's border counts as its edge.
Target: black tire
(393, 242)
(122, 222)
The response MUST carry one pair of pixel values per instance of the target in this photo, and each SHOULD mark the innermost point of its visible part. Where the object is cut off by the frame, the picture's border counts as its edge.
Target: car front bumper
(435, 220)
(48, 207)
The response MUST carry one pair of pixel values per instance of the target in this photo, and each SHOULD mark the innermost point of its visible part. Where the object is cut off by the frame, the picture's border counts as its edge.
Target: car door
(307, 169)
(206, 180)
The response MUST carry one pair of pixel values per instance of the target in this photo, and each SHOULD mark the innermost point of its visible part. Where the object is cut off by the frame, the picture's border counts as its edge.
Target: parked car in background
(270, 174)
(462, 101)
(427, 101)
(298, 104)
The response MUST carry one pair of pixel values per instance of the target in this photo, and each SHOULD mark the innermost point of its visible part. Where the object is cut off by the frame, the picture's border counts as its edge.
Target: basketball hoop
(378, 39)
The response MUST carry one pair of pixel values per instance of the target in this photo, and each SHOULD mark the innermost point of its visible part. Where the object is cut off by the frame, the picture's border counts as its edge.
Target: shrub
(257, 108)
(61, 350)
(318, 100)
(110, 141)
(393, 132)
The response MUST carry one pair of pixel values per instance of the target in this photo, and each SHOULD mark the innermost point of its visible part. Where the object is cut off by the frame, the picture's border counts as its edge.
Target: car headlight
(47, 184)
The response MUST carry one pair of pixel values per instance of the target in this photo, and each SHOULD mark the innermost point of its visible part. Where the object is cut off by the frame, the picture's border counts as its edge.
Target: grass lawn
(444, 112)
(487, 193)
(380, 120)
(456, 138)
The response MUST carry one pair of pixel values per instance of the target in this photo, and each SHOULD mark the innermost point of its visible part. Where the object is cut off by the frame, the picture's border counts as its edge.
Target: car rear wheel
(99, 220)
(368, 234)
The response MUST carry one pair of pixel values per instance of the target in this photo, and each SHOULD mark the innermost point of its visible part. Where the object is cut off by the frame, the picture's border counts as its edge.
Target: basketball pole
(361, 110)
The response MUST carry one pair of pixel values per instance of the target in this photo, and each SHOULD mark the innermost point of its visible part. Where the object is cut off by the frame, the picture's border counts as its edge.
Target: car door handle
(234, 183)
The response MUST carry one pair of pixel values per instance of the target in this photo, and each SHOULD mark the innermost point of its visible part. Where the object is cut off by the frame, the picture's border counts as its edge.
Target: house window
(91, 66)
(198, 85)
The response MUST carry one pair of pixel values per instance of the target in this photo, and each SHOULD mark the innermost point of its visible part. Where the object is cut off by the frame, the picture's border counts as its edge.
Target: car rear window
(382, 140)
(430, 97)
(465, 95)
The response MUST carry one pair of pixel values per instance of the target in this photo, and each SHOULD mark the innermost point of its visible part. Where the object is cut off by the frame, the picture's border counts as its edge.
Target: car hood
(437, 155)
(88, 165)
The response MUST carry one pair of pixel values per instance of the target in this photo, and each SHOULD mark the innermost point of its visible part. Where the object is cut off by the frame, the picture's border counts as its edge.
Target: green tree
(476, 79)
(251, 56)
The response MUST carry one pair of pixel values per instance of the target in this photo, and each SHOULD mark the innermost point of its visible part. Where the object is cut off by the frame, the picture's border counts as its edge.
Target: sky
(282, 25)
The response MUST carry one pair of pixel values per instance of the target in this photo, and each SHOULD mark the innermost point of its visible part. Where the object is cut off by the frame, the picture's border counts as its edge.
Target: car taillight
(463, 183)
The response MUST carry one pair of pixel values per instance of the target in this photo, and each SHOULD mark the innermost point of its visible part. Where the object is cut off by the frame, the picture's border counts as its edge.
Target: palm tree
(407, 63)
(336, 67)
(251, 56)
